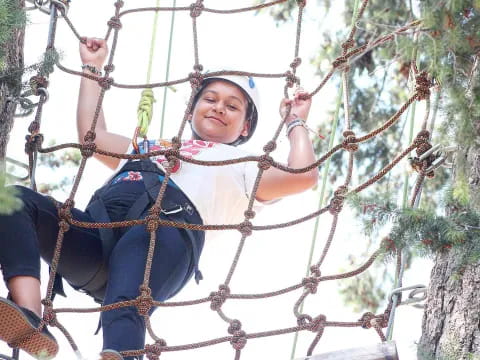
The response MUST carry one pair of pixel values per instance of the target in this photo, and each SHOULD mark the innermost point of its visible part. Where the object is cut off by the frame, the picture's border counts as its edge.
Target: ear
(246, 128)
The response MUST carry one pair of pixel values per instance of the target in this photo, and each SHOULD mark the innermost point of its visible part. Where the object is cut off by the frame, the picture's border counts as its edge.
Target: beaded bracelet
(295, 123)
(92, 69)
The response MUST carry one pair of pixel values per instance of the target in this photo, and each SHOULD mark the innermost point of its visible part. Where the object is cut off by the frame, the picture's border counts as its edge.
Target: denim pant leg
(31, 233)
(124, 328)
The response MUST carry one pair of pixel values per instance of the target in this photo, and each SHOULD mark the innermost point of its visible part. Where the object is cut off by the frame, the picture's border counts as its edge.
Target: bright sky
(270, 260)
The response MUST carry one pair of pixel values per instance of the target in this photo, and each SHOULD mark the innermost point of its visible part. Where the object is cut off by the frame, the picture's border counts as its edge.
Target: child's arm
(94, 53)
(276, 183)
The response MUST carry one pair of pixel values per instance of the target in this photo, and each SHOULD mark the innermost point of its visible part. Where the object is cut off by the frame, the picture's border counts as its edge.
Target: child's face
(219, 114)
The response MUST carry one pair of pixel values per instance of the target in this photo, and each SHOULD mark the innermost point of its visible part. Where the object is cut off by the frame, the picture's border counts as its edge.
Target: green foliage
(460, 192)
(9, 202)
(424, 231)
(47, 65)
(450, 46)
(12, 17)
(286, 12)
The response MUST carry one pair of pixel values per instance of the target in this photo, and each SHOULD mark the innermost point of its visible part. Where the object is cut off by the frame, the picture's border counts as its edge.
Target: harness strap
(170, 209)
(175, 207)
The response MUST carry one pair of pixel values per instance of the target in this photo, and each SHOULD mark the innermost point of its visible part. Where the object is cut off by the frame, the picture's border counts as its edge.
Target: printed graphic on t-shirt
(189, 149)
(128, 176)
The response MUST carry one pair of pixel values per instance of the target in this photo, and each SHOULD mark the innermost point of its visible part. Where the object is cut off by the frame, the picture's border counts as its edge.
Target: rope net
(237, 337)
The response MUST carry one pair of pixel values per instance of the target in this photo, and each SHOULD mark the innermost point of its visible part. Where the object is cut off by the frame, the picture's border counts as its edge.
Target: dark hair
(250, 116)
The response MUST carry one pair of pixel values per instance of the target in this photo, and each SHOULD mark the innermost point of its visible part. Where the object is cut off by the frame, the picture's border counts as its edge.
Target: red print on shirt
(189, 149)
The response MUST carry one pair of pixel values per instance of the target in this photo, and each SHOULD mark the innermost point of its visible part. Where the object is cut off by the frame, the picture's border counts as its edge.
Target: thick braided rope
(144, 302)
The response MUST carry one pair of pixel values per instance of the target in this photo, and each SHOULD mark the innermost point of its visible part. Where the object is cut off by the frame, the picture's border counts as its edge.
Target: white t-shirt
(219, 193)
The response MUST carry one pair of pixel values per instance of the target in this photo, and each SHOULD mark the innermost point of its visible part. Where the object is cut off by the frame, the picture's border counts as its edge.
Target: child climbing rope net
(222, 113)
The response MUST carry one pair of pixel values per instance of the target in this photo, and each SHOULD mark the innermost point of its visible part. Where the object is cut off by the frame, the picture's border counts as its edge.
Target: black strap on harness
(175, 207)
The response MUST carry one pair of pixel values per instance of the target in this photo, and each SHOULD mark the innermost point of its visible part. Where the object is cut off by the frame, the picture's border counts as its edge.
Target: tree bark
(10, 89)
(451, 322)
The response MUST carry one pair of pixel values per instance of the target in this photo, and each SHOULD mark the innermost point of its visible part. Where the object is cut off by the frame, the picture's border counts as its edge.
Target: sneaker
(18, 329)
(110, 355)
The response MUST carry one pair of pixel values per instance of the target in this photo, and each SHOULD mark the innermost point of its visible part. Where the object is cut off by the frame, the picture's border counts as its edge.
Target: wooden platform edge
(383, 351)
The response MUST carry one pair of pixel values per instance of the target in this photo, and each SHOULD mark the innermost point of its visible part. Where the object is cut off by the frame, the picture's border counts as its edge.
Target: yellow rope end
(145, 111)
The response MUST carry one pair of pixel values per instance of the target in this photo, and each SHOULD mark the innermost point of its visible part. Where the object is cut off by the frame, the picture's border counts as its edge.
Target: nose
(219, 107)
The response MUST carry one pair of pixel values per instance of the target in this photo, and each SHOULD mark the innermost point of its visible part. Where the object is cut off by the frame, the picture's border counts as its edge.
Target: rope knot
(65, 215)
(90, 136)
(144, 300)
(315, 270)
(249, 214)
(106, 82)
(33, 143)
(422, 86)
(115, 23)
(291, 79)
(366, 320)
(219, 297)
(239, 340)
(419, 163)
(311, 284)
(36, 82)
(176, 143)
(49, 316)
(265, 162)
(34, 127)
(302, 3)
(88, 149)
(270, 146)
(348, 44)
(65, 210)
(318, 323)
(339, 61)
(155, 211)
(109, 68)
(296, 62)
(153, 222)
(336, 204)
(235, 325)
(349, 143)
(172, 157)
(196, 79)
(246, 228)
(154, 351)
(172, 154)
(196, 9)
(422, 142)
(303, 319)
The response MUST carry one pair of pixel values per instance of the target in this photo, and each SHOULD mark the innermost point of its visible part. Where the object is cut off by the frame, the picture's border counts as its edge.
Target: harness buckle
(175, 210)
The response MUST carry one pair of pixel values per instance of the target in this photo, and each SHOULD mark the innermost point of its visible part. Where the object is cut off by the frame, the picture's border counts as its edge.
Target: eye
(210, 100)
(232, 107)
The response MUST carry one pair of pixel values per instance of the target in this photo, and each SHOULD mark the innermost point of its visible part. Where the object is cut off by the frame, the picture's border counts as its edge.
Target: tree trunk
(451, 322)
(9, 88)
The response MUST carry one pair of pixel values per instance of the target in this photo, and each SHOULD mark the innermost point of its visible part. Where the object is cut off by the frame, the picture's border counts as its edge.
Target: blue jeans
(30, 234)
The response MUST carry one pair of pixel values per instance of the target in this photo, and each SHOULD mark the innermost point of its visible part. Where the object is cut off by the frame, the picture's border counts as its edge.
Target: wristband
(92, 69)
(295, 123)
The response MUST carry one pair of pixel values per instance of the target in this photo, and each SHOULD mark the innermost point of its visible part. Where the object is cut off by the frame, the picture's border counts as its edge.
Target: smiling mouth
(217, 119)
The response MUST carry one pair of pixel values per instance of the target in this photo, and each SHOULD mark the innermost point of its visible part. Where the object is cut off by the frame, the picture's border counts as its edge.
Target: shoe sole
(14, 325)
